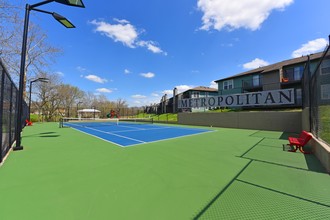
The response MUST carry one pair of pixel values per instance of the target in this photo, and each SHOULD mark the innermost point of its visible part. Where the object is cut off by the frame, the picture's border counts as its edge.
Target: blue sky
(140, 50)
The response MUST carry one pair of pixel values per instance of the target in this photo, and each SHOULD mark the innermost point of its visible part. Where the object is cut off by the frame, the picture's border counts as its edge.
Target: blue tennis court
(126, 134)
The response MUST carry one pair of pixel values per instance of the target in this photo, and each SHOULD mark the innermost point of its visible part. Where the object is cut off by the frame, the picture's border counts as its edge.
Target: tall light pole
(30, 92)
(93, 111)
(78, 108)
(63, 21)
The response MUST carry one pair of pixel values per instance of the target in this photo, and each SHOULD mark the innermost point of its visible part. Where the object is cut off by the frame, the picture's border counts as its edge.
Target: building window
(299, 96)
(325, 91)
(297, 73)
(325, 67)
(229, 84)
(195, 95)
(293, 74)
(256, 80)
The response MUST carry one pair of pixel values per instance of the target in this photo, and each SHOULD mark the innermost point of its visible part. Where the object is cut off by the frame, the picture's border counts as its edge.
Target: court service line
(142, 129)
(98, 137)
(121, 136)
(124, 126)
(165, 139)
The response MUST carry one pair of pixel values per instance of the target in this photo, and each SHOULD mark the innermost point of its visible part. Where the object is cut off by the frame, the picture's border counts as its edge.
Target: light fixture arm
(43, 11)
(40, 3)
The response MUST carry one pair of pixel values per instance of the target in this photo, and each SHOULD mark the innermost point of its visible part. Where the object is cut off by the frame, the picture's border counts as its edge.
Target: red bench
(300, 142)
(28, 123)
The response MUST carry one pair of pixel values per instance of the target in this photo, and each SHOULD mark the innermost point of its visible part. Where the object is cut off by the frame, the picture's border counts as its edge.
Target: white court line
(131, 127)
(132, 145)
(141, 142)
(141, 130)
(98, 137)
(114, 134)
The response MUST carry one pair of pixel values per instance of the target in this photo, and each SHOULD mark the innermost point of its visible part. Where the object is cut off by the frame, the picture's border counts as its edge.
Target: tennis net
(94, 122)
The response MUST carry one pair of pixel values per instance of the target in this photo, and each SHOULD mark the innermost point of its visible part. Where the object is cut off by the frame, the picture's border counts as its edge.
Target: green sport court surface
(225, 174)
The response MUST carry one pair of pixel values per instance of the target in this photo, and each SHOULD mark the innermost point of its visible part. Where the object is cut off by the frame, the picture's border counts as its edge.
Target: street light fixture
(63, 21)
(45, 80)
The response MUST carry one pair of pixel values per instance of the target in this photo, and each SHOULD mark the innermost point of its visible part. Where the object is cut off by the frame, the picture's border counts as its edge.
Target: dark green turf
(65, 174)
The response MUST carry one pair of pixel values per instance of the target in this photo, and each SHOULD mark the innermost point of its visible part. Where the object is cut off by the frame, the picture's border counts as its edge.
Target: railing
(252, 84)
(289, 77)
(8, 114)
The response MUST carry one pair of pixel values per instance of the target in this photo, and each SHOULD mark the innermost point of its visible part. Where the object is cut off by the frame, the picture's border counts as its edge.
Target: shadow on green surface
(283, 193)
(314, 164)
(54, 135)
(285, 135)
(43, 135)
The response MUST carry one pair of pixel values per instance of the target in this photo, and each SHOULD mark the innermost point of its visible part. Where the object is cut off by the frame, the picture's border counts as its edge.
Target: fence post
(1, 109)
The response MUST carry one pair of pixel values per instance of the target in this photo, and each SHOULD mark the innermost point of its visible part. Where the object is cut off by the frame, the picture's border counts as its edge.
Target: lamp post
(93, 111)
(78, 108)
(63, 21)
(45, 80)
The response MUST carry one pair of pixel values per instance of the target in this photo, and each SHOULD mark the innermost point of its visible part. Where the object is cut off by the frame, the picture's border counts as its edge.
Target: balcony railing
(252, 85)
(289, 78)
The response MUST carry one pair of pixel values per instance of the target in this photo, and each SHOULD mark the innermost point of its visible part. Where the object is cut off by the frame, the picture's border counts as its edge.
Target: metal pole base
(17, 148)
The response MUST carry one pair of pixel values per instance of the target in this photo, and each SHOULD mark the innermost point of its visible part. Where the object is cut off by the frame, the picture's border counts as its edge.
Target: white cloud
(182, 88)
(235, 14)
(125, 33)
(145, 101)
(148, 75)
(155, 97)
(121, 21)
(126, 71)
(227, 45)
(256, 63)
(95, 78)
(213, 85)
(137, 102)
(59, 73)
(81, 69)
(168, 92)
(139, 96)
(311, 47)
(104, 90)
(150, 45)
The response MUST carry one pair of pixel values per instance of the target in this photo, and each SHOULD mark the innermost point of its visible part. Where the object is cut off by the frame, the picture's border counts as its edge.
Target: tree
(40, 54)
(104, 105)
(122, 107)
(69, 95)
(89, 100)
(49, 100)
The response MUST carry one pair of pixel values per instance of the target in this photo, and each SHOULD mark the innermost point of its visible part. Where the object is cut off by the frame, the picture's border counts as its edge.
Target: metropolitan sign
(272, 97)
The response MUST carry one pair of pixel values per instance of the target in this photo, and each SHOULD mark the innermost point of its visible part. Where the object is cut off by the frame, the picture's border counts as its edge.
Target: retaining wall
(272, 121)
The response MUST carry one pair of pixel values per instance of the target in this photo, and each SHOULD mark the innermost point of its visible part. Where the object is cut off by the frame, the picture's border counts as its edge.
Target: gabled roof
(276, 66)
(88, 110)
(202, 89)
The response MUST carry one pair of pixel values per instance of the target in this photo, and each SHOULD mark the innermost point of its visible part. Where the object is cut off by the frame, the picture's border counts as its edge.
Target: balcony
(252, 85)
(291, 77)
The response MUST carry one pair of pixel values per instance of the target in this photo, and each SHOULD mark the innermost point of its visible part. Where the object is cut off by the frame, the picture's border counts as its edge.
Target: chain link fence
(316, 87)
(8, 111)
